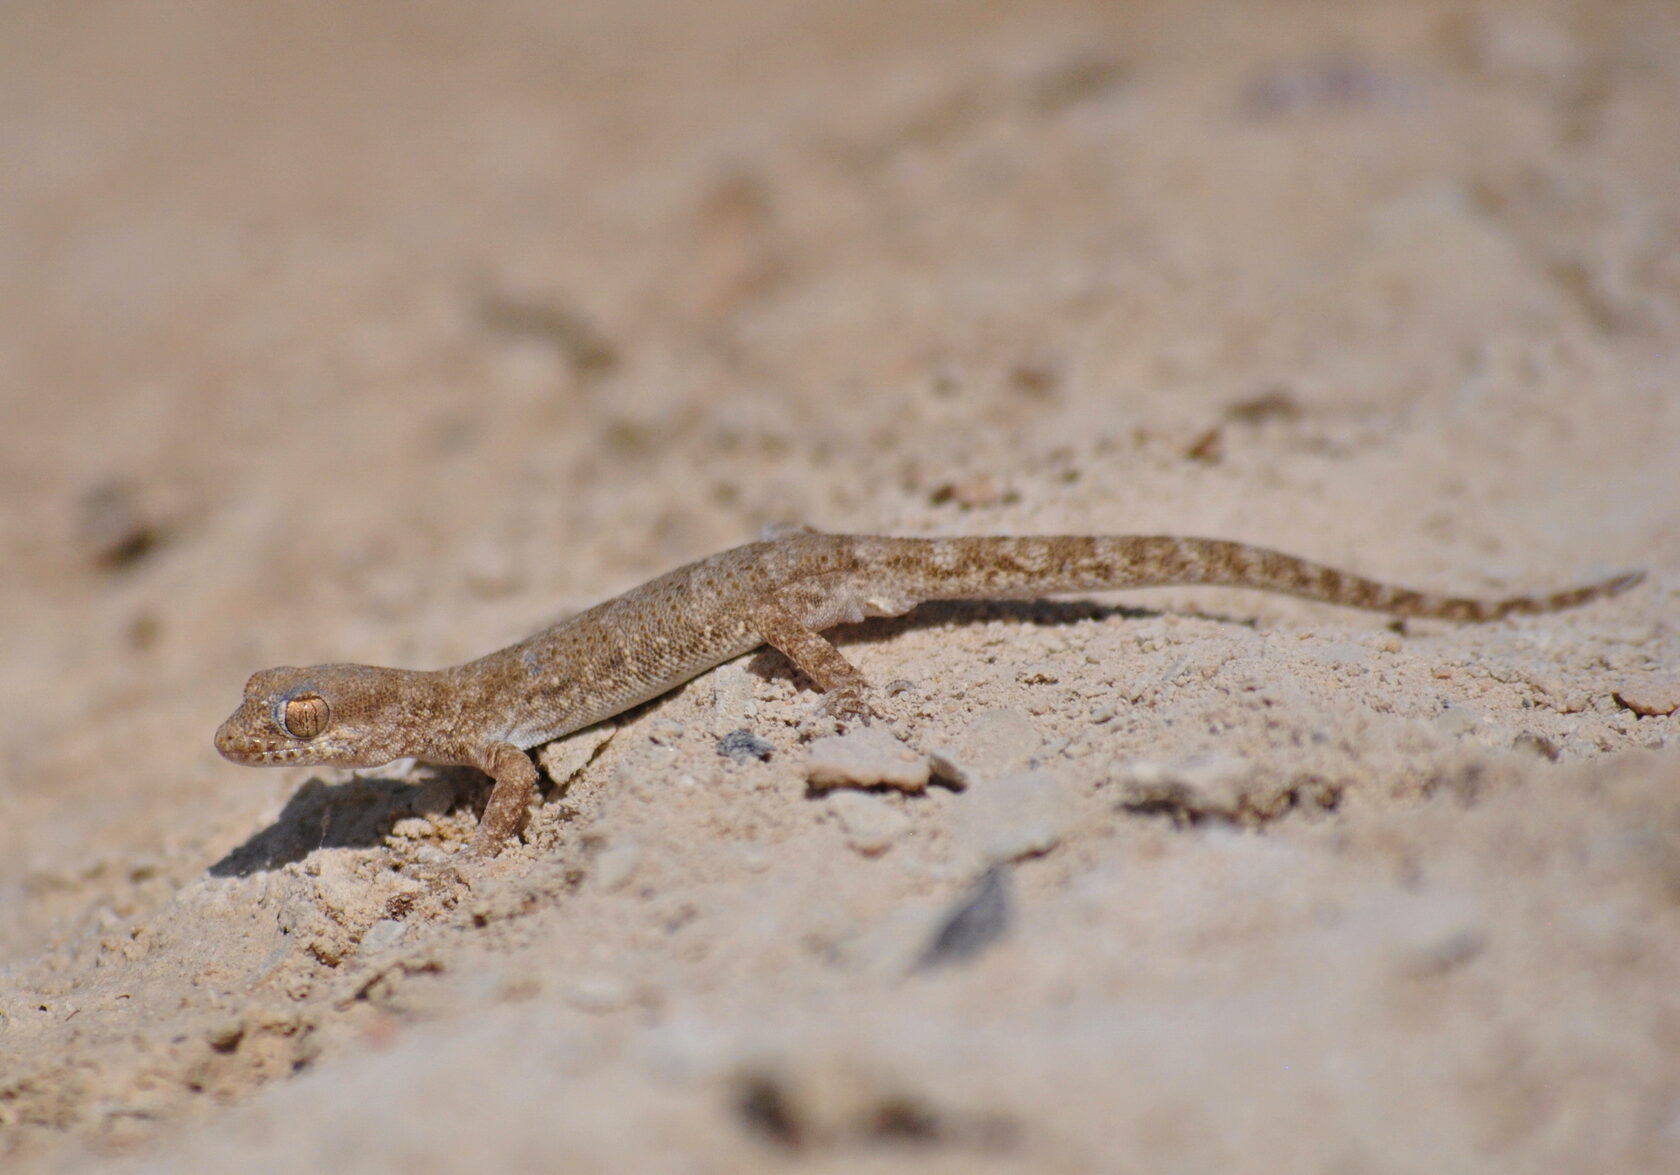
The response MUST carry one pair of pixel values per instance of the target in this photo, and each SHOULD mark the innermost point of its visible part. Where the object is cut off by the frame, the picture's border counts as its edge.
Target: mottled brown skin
(782, 592)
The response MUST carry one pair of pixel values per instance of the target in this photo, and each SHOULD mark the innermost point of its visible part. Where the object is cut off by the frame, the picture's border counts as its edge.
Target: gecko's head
(338, 715)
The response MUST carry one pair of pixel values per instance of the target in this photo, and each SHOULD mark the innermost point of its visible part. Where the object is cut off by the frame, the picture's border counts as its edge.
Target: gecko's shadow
(963, 613)
(358, 814)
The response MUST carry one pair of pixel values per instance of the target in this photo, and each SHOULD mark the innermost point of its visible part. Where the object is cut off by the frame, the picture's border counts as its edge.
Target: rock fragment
(867, 757)
(743, 745)
(1215, 784)
(1655, 697)
(1219, 786)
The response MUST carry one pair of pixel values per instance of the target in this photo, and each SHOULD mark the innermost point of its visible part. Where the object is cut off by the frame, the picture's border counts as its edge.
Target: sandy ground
(391, 333)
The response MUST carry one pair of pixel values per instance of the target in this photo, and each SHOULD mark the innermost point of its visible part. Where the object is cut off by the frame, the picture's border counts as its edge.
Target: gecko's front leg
(516, 786)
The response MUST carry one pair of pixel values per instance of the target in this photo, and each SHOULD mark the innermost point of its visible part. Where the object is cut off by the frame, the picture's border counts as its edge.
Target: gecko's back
(636, 646)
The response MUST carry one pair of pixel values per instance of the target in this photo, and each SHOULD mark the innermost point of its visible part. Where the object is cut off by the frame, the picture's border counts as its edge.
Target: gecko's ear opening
(305, 715)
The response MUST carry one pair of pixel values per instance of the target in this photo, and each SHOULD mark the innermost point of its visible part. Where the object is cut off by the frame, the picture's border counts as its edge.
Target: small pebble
(867, 757)
(743, 745)
(1657, 697)
(1215, 784)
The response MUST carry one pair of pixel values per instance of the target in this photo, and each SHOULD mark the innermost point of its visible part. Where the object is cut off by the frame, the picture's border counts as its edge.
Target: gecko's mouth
(256, 753)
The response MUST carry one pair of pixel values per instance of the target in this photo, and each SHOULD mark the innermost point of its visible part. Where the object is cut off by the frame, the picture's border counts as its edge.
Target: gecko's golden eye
(305, 716)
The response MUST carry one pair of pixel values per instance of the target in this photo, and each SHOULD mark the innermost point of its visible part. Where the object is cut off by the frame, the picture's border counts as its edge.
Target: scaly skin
(782, 592)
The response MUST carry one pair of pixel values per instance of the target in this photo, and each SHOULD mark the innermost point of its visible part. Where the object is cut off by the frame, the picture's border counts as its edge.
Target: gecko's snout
(237, 741)
(234, 744)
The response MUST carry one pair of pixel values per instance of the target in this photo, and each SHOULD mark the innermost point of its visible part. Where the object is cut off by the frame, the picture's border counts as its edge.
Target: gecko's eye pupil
(306, 715)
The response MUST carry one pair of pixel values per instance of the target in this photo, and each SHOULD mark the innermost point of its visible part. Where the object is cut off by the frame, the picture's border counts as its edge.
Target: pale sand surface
(392, 332)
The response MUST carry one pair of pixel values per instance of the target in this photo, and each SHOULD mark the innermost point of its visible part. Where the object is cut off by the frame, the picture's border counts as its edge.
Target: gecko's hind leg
(845, 689)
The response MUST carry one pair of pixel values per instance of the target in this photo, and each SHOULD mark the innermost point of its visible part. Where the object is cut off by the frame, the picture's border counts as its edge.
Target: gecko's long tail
(962, 568)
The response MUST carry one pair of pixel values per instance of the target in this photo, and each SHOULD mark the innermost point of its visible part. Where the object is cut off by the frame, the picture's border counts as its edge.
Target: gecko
(782, 592)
